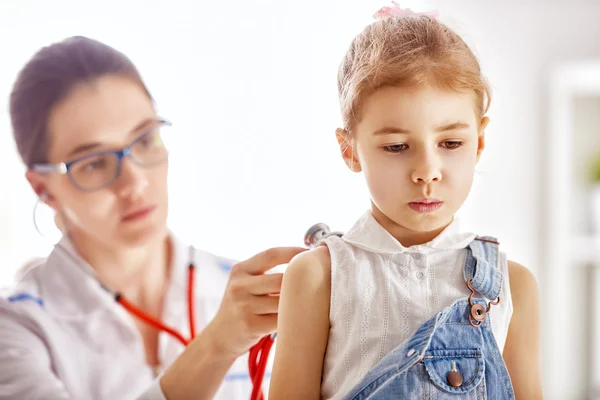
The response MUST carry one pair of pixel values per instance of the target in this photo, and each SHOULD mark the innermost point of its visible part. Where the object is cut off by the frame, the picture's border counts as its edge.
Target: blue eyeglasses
(98, 170)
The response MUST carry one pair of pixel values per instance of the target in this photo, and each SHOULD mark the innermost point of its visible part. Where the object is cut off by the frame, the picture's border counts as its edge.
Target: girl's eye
(395, 148)
(452, 144)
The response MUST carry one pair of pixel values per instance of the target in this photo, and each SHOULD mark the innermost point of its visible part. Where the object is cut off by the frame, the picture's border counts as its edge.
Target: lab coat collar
(69, 286)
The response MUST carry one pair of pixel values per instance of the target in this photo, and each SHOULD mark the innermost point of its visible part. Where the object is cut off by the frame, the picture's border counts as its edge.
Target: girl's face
(418, 148)
(107, 115)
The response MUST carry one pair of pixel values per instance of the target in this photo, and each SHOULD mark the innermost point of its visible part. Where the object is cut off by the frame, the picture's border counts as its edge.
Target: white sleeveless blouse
(382, 292)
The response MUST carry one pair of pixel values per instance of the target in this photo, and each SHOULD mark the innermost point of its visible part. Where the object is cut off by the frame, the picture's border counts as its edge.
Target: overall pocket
(456, 373)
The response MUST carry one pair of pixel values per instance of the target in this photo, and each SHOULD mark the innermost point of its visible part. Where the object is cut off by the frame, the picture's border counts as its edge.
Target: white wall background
(251, 89)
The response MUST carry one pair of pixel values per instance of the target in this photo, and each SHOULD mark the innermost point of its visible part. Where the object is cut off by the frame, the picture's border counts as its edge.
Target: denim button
(455, 379)
(411, 352)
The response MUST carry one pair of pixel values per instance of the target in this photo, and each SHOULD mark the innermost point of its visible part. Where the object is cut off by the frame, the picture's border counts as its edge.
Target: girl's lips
(425, 205)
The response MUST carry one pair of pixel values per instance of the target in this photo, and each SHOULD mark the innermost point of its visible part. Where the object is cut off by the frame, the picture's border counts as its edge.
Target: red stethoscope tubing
(257, 363)
(258, 355)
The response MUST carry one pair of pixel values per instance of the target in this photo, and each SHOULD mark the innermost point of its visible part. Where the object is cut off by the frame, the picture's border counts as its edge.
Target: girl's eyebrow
(455, 126)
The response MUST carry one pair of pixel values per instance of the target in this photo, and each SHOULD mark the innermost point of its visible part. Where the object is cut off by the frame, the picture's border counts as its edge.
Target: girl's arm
(303, 327)
(522, 349)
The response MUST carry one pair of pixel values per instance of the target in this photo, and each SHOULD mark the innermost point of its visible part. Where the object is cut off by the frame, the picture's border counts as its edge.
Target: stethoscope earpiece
(317, 233)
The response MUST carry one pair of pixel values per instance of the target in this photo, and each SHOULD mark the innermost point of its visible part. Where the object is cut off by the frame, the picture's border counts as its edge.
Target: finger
(264, 324)
(263, 305)
(268, 259)
(264, 284)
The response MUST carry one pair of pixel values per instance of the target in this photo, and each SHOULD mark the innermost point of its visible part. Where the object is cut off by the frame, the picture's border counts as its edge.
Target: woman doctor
(86, 129)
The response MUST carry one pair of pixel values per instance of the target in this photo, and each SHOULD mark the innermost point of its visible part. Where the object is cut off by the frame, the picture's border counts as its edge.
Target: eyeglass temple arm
(45, 168)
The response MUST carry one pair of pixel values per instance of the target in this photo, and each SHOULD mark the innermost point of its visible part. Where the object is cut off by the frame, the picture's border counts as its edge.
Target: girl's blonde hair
(408, 51)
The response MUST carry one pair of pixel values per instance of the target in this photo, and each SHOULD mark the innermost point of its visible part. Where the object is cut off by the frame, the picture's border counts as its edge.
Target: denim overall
(453, 355)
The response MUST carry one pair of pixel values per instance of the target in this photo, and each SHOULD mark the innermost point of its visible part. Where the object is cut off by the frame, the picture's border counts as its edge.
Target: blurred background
(251, 89)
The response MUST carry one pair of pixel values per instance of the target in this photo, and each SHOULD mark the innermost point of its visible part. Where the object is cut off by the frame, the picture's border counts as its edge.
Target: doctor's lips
(138, 214)
(425, 205)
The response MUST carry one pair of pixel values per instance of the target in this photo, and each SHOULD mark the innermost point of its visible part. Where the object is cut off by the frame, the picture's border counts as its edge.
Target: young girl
(405, 305)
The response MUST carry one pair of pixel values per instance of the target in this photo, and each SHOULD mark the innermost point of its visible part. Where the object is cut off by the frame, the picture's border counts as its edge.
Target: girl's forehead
(405, 107)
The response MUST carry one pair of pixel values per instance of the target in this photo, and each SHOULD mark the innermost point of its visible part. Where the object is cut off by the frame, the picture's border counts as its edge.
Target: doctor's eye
(151, 140)
(93, 164)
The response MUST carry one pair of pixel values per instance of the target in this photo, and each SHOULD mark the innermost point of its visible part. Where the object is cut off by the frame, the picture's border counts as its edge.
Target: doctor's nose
(132, 181)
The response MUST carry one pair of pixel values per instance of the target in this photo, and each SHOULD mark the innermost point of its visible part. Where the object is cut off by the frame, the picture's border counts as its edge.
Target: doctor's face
(113, 199)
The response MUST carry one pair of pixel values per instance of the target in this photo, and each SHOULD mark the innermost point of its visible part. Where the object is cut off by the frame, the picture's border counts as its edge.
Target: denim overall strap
(448, 357)
(481, 266)
(418, 368)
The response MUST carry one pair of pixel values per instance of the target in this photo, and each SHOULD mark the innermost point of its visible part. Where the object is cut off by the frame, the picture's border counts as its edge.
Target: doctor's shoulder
(23, 295)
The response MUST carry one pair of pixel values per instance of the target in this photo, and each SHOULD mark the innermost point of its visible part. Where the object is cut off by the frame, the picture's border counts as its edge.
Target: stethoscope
(259, 353)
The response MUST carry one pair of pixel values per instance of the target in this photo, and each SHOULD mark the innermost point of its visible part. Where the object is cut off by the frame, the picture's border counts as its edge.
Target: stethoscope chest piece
(316, 234)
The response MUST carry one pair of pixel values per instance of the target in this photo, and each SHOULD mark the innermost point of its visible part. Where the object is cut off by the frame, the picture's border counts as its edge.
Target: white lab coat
(63, 337)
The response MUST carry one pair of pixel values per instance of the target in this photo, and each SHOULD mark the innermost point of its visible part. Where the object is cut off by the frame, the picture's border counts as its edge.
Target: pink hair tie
(396, 11)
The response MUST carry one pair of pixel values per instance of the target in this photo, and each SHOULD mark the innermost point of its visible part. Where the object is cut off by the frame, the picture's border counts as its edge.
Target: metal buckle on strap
(477, 311)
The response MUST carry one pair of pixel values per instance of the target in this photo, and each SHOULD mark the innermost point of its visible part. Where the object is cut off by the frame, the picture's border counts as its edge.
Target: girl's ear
(347, 150)
(481, 136)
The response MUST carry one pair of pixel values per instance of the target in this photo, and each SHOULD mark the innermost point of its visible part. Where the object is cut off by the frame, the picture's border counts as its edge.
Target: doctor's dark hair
(48, 78)
(408, 51)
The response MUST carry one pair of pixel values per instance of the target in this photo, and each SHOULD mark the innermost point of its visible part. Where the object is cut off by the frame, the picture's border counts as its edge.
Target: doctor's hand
(249, 307)
(248, 311)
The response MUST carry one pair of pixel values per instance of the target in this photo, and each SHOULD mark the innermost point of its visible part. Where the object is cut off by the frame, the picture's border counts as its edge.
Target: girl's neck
(405, 236)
